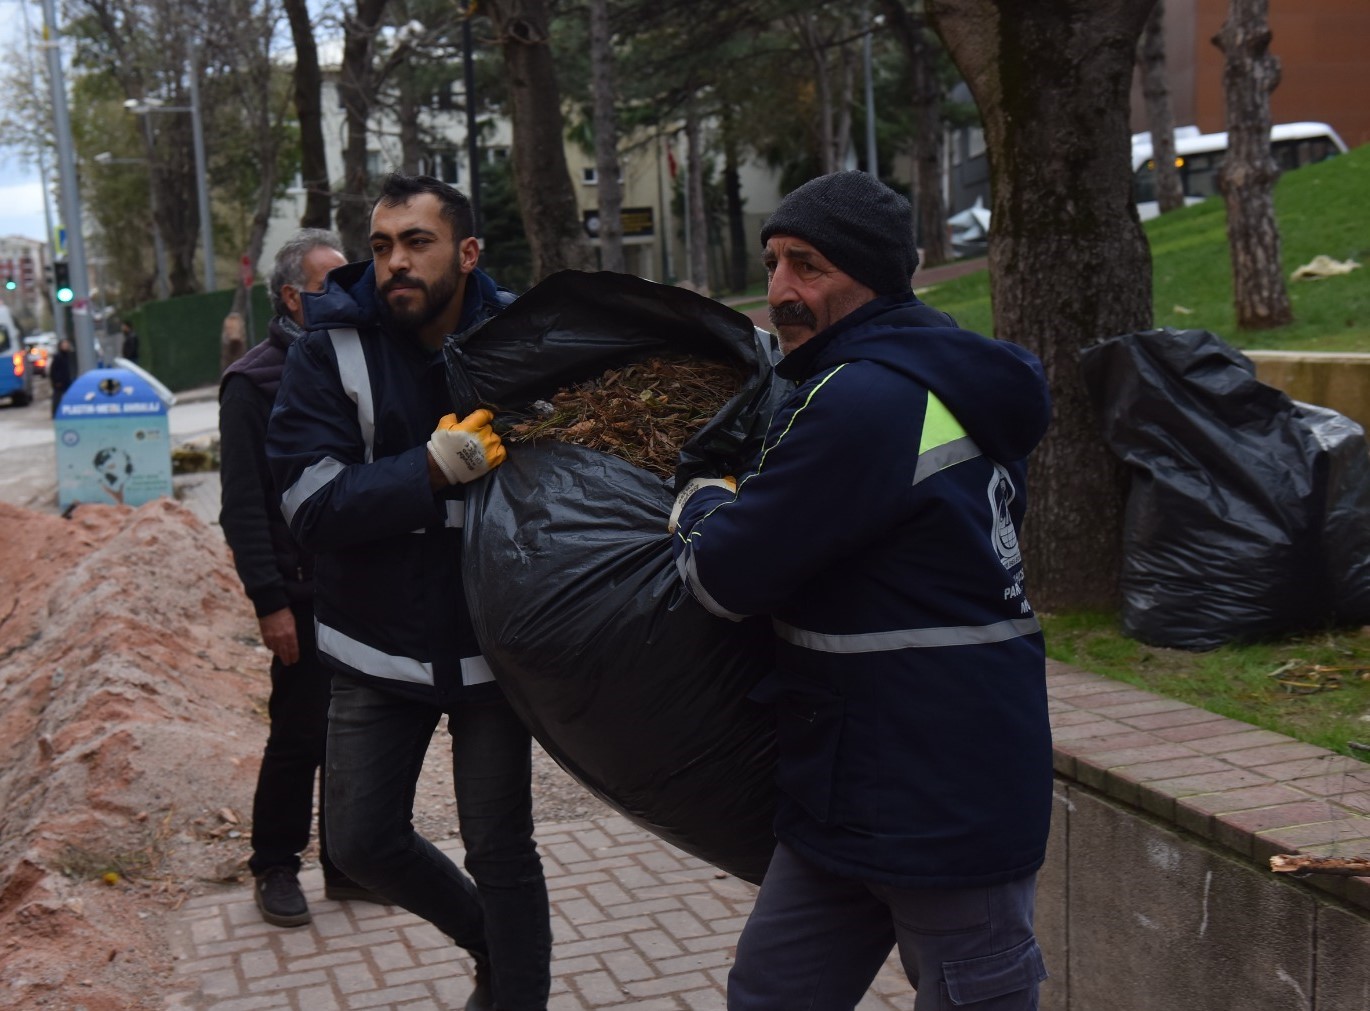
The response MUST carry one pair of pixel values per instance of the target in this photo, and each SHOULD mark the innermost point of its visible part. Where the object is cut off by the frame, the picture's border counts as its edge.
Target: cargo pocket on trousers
(973, 980)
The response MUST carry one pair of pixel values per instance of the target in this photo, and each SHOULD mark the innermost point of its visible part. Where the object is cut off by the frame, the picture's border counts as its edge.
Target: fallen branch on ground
(1297, 863)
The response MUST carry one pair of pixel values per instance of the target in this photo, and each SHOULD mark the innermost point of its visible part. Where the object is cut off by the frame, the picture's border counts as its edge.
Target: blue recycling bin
(113, 440)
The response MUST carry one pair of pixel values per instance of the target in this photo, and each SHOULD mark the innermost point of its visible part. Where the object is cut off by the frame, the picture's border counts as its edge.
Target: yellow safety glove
(692, 486)
(465, 449)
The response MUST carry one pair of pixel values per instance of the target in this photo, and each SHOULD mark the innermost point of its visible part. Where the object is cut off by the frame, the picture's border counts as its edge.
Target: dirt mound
(131, 685)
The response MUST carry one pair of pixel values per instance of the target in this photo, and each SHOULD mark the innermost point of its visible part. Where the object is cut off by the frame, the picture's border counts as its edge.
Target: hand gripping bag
(629, 684)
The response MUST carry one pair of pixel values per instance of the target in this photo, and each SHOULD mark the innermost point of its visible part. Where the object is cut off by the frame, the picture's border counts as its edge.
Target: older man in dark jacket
(278, 578)
(879, 529)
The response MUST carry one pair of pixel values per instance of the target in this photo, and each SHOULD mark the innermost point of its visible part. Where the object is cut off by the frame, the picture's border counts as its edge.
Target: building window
(589, 176)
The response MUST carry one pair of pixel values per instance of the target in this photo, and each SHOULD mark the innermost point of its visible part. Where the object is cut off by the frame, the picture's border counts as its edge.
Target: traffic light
(61, 275)
(10, 283)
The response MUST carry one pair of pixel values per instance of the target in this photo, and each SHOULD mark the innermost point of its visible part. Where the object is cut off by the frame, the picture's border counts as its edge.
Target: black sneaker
(347, 890)
(482, 997)
(278, 895)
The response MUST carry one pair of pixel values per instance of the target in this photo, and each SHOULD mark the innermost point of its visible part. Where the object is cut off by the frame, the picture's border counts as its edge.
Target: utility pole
(71, 197)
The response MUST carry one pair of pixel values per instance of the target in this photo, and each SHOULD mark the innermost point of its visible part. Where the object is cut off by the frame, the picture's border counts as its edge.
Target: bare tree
(820, 35)
(931, 208)
(253, 84)
(1248, 173)
(308, 81)
(357, 87)
(1159, 118)
(606, 140)
(546, 200)
(698, 251)
(1068, 261)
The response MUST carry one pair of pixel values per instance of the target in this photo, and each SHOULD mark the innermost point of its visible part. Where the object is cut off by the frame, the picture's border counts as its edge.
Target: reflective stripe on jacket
(879, 530)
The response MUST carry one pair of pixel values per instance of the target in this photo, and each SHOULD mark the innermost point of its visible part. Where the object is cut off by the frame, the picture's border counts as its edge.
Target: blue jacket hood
(996, 390)
(349, 298)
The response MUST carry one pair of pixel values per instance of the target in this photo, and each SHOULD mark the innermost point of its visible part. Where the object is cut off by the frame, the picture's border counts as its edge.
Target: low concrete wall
(1157, 893)
(1336, 380)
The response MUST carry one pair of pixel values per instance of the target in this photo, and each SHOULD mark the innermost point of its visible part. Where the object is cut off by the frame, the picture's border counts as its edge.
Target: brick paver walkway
(636, 924)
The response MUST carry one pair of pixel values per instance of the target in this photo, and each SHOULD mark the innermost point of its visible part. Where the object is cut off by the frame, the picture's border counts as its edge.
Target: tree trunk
(931, 208)
(738, 256)
(309, 110)
(1247, 176)
(1160, 121)
(407, 115)
(818, 55)
(606, 140)
(841, 140)
(1068, 261)
(547, 203)
(356, 88)
(699, 215)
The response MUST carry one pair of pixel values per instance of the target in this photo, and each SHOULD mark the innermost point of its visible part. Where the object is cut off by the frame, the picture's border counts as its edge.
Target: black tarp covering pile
(1248, 515)
(631, 686)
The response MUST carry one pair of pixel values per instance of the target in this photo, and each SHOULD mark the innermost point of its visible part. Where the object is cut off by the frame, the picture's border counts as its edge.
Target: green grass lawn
(1313, 688)
(1321, 208)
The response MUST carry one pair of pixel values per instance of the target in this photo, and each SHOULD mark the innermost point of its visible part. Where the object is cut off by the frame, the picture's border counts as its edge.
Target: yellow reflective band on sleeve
(939, 425)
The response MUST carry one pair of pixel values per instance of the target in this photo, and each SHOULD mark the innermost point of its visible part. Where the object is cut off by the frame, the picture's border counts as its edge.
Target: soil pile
(129, 740)
(133, 689)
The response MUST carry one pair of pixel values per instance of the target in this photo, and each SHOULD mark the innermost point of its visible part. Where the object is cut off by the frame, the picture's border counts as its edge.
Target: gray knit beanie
(855, 221)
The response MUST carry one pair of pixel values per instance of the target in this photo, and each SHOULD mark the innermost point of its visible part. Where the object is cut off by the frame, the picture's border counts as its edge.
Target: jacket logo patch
(1003, 534)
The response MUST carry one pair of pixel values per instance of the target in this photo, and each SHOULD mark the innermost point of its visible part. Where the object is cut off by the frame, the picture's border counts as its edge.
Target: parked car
(41, 347)
(16, 378)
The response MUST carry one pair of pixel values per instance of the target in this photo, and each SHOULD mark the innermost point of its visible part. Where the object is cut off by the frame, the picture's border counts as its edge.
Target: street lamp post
(143, 107)
(158, 248)
(71, 196)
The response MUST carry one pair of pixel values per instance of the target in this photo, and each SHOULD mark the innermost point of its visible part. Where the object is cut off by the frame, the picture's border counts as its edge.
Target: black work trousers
(283, 806)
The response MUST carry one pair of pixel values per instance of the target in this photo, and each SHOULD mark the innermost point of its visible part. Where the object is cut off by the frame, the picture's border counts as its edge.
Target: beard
(792, 314)
(415, 315)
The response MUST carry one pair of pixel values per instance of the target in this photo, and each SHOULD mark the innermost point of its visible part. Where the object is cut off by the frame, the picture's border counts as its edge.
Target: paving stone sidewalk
(636, 924)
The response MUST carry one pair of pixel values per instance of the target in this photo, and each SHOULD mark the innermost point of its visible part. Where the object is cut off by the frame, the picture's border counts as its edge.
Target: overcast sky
(21, 193)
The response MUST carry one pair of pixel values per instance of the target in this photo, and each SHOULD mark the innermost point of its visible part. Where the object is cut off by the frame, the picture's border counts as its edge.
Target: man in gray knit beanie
(858, 227)
(879, 529)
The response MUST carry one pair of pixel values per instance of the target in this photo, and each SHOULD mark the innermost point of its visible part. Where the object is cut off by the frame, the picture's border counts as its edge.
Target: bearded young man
(878, 528)
(372, 468)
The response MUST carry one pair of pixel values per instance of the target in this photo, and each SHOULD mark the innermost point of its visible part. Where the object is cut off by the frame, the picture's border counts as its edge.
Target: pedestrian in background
(62, 369)
(372, 467)
(879, 529)
(128, 342)
(277, 576)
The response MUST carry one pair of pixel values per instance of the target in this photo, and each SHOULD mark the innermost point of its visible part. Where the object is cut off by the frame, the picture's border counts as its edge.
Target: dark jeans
(283, 806)
(376, 744)
(816, 941)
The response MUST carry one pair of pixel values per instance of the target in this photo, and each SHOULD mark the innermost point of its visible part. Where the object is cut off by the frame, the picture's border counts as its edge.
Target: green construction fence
(179, 338)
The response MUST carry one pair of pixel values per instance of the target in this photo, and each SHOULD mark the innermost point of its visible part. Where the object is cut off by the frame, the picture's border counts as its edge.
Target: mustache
(792, 314)
(406, 281)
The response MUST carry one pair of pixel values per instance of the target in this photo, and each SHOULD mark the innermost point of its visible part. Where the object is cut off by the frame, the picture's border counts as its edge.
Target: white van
(1198, 155)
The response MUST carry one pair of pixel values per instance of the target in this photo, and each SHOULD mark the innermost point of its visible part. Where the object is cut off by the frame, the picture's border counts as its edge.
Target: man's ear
(468, 253)
(290, 295)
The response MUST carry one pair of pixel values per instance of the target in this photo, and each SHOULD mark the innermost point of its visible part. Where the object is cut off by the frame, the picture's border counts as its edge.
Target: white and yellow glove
(692, 486)
(466, 449)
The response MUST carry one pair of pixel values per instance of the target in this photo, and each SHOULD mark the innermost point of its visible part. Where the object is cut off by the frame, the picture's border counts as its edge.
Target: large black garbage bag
(631, 686)
(1247, 513)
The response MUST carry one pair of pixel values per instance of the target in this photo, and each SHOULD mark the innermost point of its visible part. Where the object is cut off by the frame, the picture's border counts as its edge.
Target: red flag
(670, 162)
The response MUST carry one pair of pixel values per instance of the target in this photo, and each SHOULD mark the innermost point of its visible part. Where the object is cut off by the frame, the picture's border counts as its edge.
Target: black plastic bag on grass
(1247, 515)
(629, 684)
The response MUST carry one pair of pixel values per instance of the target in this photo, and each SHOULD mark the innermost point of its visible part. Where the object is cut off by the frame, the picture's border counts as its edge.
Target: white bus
(1198, 156)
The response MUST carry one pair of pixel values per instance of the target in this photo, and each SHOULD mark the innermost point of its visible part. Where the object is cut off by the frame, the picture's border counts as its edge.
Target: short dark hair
(289, 265)
(398, 188)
